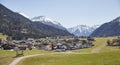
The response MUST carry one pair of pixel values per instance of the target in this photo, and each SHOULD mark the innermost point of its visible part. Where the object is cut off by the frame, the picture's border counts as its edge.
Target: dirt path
(97, 49)
(17, 60)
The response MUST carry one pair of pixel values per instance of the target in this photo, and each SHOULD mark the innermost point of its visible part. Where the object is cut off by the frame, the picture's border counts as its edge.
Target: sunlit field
(107, 55)
(74, 59)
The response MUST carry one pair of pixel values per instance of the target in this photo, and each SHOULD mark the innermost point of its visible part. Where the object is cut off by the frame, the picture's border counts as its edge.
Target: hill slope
(15, 25)
(49, 30)
(111, 28)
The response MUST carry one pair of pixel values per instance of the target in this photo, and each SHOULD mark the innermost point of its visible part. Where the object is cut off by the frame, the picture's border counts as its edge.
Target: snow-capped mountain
(23, 14)
(82, 30)
(48, 21)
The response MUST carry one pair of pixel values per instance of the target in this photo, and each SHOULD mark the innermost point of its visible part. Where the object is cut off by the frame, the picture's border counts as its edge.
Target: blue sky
(68, 12)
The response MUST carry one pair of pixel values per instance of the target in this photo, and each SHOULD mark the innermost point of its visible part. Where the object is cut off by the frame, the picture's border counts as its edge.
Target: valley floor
(100, 54)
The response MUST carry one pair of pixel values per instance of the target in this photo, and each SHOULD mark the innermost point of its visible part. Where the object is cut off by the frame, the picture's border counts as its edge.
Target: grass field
(98, 42)
(111, 58)
(5, 56)
(106, 56)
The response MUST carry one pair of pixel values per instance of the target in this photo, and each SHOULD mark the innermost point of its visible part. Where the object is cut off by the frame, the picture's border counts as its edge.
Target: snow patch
(23, 14)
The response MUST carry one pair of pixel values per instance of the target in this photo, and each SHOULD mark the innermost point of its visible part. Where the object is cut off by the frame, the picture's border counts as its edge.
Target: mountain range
(18, 26)
(106, 29)
(82, 30)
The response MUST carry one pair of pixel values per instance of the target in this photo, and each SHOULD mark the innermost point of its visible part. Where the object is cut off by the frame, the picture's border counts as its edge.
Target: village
(57, 44)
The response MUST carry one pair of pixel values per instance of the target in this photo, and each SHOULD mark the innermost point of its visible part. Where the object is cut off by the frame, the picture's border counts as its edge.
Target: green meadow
(107, 55)
(111, 58)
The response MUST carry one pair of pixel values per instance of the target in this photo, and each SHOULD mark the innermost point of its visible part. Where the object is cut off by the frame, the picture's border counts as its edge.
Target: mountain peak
(82, 30)
(82, 25)
(43, 19)
(48, 21)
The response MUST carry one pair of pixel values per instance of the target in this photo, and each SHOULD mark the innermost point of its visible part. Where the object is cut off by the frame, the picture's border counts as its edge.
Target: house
(45, 45)
(60, 47)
